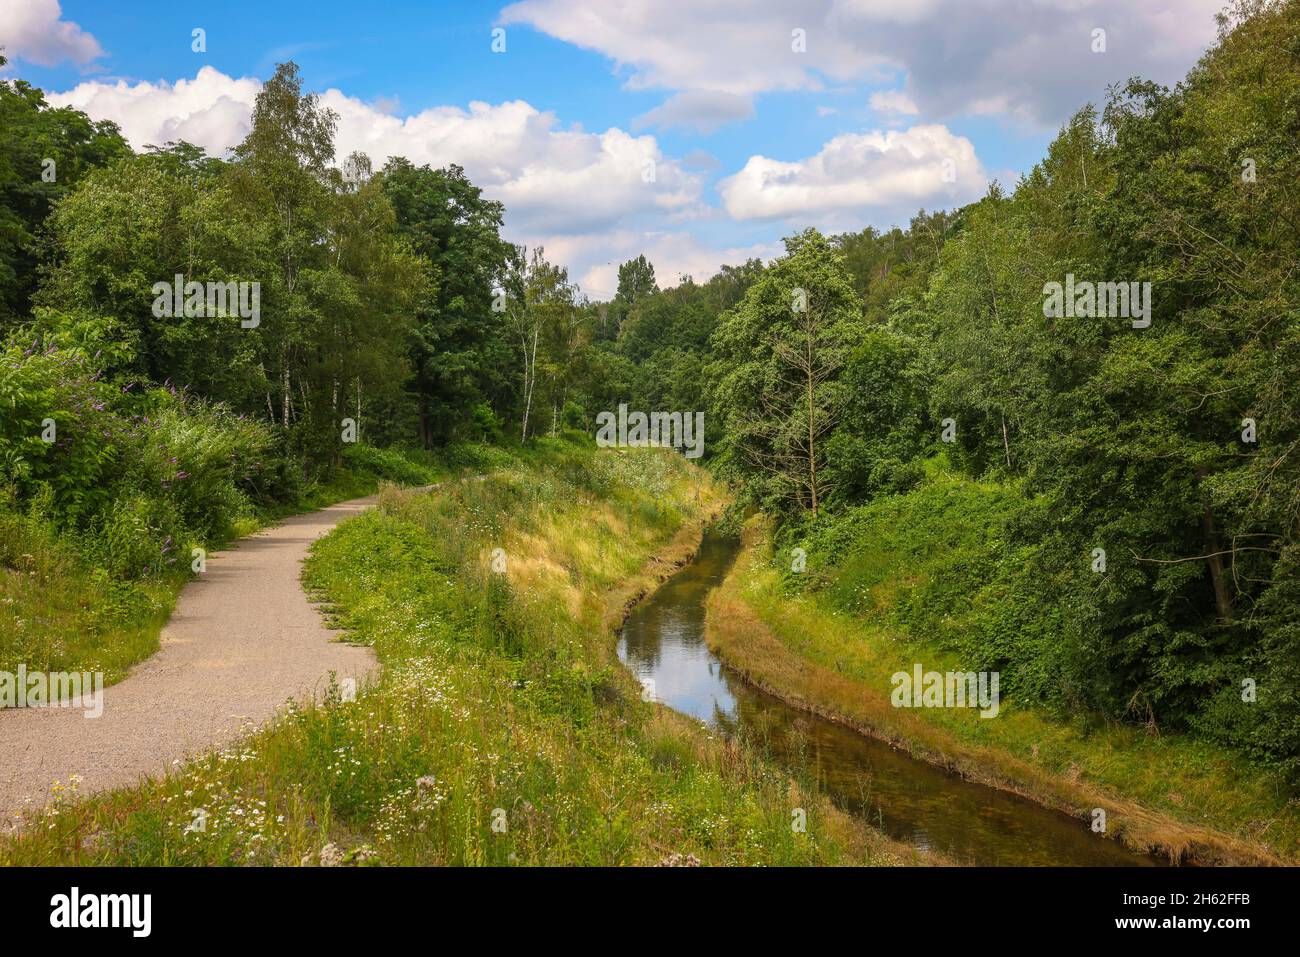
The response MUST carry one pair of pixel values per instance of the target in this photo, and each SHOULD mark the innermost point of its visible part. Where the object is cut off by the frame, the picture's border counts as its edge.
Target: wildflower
(331, 856)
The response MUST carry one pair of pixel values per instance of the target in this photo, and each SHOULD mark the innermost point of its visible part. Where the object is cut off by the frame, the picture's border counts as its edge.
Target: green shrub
(138, 475)
(485, 424)
(389, 464)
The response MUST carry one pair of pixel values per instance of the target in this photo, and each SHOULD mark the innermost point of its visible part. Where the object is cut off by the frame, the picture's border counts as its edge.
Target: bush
(197, 455)
(485, 424)
(137, 475)
(58, 428)
(389, 464)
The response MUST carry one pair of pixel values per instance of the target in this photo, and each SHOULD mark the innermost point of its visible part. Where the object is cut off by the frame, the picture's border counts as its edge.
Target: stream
(912, 801)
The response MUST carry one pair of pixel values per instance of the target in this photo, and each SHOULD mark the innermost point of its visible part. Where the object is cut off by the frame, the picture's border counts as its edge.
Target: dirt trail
(242, 641)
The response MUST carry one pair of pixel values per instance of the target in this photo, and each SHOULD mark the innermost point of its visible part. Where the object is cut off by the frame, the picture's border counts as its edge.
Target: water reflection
(663, 642)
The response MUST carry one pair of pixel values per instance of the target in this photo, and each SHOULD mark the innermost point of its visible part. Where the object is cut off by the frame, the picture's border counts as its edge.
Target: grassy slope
(58, 613)
(1167, 792)
(501, 699)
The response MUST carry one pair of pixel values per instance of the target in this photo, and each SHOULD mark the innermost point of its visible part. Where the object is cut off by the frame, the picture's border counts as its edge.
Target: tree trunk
(1222, 599)
(530, 380)
(812, 448)
(285, 395)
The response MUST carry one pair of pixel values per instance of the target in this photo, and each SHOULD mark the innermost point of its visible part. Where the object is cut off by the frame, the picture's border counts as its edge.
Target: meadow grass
(503, 729)
(59, 613)
(1168, 793)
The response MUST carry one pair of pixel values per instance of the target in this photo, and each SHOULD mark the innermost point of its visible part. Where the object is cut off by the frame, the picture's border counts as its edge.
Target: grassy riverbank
(503, 730)
(1166, 792)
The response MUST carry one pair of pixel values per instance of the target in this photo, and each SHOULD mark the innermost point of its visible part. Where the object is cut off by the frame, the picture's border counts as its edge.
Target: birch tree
(539, 310)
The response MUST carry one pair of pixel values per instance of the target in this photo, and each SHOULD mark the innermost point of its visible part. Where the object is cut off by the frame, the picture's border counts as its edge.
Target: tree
(636, 281)
(777, 385)
(884, 429)
(540, 315)
(893, 265)
(143, 221)
(459, 349)
(44, 153)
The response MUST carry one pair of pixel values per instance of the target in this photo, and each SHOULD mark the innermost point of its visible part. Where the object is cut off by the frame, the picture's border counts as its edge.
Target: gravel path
(242, 640)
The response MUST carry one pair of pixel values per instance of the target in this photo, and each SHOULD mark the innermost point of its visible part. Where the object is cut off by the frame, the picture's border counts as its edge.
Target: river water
(912, 801)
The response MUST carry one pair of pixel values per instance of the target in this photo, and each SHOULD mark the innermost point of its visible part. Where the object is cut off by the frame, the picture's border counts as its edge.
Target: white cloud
(893, 102)
(552, 179)
(1031, 58)
(878, 176)
(700, 110)
(739, 48)
(562, 180)
(33, 30)
(212, 110)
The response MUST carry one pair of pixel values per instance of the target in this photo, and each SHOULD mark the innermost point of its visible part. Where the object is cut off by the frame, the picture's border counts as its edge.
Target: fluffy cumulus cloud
(878, 176)
(1032, 61)
(551, 179)
(559, 180)
(34, 30)
(212, 110)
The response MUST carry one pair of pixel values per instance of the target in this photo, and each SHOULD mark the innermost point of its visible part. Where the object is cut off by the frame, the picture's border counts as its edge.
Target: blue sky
(696, 132)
